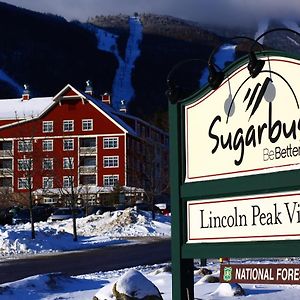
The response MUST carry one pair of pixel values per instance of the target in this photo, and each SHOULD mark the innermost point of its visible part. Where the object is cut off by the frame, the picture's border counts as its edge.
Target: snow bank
(93, 231)
(134, 283)
(84, 287)
(228, 290)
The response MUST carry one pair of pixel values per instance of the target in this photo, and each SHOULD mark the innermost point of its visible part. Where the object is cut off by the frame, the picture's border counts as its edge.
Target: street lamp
(256, 65)
(176, 92)
(215, 77)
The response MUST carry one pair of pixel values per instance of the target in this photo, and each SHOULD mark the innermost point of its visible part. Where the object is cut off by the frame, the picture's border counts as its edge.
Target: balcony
(6, 171)
(87, 150)
(87, 169)
(6, 189)
(6, 153)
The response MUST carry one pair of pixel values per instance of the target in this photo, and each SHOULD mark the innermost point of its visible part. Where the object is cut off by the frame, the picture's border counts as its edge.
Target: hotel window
(25, 146)
(47, 182)
(110, 180)
(48, 164)
(68, 181)
(110, 161)
(23, 183)
(87, 125)
(25, 164)
(111, 143)
(68, 125)
(68, 162)
(48, 145)
(68, 144)
(47, 126)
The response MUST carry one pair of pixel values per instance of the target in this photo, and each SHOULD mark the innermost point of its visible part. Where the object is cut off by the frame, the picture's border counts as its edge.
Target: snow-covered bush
(133, 285)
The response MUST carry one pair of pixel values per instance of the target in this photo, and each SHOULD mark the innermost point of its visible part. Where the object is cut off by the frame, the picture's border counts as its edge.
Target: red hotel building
(76, 137)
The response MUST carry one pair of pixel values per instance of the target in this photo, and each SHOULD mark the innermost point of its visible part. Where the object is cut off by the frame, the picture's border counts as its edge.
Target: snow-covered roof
(12, 109)
(16, 109)
(19, 109)
(128, 116)
(111, 112)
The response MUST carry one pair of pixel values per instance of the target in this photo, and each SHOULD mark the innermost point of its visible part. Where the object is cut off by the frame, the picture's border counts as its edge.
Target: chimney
(123, 108)
(106, 98)
(26, 93)
(89, 88)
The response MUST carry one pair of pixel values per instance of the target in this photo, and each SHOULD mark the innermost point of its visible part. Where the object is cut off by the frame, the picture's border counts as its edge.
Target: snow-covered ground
(109, 228)
(84, 287)
(93, 231)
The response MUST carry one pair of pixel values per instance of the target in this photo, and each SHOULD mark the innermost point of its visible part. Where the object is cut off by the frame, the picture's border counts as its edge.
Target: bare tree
(148, 169)
(24, 158)
(69, 191)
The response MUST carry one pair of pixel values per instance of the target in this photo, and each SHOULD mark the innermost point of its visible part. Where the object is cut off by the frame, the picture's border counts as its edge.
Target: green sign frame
(183, 254)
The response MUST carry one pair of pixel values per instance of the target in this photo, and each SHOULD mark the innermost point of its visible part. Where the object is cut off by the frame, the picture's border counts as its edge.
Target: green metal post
(182, 269)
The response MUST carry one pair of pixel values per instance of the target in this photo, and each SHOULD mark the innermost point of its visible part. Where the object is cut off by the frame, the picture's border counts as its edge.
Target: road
(150, 251)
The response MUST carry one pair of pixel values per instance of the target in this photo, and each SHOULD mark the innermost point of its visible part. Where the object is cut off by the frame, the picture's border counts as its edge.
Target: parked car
(42, 212)
(5, 216)
(22, 215)
(120, 206)
(65, 213)
(99, 209)
(164, 208)
(146, 207)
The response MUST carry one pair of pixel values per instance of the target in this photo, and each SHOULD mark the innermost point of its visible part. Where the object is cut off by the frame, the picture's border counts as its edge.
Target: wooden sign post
(234, 161)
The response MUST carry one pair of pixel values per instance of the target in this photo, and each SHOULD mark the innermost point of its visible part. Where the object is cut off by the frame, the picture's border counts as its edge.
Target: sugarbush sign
(247, 126)
(235, 172)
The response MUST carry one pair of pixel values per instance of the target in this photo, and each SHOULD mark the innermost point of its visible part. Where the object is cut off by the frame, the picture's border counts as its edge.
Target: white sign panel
(251, 218)
(247, 126)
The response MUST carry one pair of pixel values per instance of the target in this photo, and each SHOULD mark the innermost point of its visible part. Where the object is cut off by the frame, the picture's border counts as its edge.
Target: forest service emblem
(227, 273)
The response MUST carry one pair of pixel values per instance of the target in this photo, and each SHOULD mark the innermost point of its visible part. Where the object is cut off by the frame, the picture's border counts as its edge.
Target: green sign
(235, 168)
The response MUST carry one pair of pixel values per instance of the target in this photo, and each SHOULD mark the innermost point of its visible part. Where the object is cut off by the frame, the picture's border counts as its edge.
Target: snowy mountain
(127, 56)
(122, 88)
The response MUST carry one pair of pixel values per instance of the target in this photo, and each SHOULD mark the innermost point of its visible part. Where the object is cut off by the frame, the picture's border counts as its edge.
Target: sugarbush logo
(271, 130)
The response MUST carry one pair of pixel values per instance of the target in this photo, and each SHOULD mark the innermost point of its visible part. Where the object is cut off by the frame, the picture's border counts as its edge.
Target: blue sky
(238, 12)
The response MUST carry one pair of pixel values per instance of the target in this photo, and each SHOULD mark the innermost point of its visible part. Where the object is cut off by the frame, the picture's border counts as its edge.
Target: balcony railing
(6, 171)
(87, 150)
(87, 169)
(6, 189)
(6, 153)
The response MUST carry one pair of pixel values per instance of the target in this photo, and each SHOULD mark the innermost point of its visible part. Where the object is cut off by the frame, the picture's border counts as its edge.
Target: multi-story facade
(74, 140)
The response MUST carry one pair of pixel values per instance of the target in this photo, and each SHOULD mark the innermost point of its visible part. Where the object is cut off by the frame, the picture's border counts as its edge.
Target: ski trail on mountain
(6, 78)
(293, 26)
(122, 85)
(262, 28)
(122, 88)
(226, 53)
